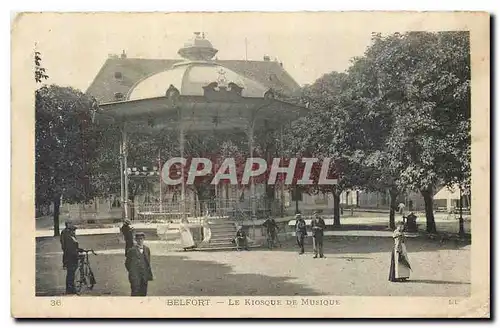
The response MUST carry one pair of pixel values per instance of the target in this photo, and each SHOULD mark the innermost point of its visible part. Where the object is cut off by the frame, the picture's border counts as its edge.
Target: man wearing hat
(70, 256)
(138, 264)
(241, 239)
(128, 235)
(300, 231)
(65, 234)
(318, 226)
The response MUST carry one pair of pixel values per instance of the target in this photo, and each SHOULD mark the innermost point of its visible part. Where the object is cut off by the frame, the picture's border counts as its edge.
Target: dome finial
(198, 49)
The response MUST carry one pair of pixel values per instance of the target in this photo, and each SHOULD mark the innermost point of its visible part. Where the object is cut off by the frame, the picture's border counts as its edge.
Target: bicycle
(84, 276)
(272, 242)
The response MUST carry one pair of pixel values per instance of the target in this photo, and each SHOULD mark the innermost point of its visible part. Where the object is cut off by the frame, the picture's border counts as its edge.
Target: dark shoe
(322, 256)
(300, 253)
(315, 256)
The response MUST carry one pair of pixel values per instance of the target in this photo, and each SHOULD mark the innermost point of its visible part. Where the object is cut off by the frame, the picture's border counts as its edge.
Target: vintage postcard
(251, 164)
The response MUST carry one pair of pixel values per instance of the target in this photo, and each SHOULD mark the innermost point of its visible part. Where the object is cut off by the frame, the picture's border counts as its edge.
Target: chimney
(266, 58)
(123, 55)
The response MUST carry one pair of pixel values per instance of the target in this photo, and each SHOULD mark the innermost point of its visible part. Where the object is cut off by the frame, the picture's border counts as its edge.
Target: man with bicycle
(271, 230)
(70, 257)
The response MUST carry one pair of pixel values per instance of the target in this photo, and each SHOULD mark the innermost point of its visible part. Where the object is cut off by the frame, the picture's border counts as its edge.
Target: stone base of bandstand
(218, 233)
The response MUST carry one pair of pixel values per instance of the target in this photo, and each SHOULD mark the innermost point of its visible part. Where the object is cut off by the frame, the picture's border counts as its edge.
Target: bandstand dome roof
(199, 90)
(198, 70)
(189, 78)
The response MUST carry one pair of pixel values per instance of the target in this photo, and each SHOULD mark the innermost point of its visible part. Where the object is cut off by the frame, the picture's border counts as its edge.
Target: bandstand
(198, 94)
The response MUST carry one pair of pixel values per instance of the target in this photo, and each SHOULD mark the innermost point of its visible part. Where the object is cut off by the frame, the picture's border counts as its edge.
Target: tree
(425, 78)
(64, 147)
(39, 70)
(417, 85)
(330, 131)
(398, 119)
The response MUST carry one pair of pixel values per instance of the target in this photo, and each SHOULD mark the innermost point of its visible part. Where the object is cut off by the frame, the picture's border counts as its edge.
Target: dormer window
(118, 95)
(118, 75)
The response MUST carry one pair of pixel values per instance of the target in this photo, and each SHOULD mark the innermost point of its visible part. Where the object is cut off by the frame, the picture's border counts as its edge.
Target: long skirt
(187, 240)
(400, 267)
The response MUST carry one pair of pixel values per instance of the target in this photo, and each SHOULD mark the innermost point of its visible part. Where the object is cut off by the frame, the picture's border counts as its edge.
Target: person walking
(300, 231)
(318, 226)
(128, 235)
(401, 209)
(271, 231)
(138, 265)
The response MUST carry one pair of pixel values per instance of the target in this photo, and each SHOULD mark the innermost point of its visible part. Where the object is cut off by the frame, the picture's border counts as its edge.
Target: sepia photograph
(224, 164)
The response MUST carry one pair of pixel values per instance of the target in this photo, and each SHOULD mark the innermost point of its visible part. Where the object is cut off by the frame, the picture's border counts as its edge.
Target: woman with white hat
(400, 264)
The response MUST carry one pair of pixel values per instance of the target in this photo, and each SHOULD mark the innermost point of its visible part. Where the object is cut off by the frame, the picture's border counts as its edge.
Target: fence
(230, 208)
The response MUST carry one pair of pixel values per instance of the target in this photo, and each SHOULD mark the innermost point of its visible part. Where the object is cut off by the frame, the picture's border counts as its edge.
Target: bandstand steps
(223, 232)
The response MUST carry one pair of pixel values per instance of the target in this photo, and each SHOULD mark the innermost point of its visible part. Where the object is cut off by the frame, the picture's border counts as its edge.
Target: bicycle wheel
(91, 279)
(269, 242)
(79, 280)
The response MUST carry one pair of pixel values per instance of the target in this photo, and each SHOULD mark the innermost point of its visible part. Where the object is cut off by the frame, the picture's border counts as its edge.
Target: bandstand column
(252, 184)
(183, 187)
(282, 207)
(125, 171)
(122, 173)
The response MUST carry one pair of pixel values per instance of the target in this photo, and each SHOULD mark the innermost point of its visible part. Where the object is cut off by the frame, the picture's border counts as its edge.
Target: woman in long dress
(187, 240)
(400, 265)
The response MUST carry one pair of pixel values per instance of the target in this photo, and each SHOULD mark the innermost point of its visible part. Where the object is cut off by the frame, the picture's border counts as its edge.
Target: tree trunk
(57, 206)
(461, 230)
(392, 212)
(429, 212)
(269, 198)
(336, 208)
(296, 196)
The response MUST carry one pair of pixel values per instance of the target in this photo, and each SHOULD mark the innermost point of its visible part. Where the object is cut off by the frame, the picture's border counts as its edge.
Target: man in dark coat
(300, 231)
(65, 235)
(70, 258)
(138, 264)
(271, 229)
(128, 235)
(318, 226)
(241, 239)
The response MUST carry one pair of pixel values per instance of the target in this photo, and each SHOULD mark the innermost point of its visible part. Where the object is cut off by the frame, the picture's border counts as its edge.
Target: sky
(75, 46)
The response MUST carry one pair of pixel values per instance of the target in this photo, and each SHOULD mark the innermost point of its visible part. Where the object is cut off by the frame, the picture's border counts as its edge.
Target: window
(118, 75)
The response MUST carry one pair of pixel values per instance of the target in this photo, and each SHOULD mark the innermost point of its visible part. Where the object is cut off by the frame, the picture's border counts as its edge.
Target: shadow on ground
(435, 282)
(174, 276)
(366, 244)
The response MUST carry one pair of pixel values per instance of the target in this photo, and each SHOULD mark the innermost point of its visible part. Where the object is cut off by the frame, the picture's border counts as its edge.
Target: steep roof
(268, 73)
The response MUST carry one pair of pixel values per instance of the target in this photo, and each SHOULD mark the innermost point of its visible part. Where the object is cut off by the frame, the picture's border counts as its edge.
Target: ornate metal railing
(230, 208)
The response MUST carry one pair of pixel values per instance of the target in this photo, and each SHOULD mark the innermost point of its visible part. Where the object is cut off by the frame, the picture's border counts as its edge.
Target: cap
(140, 234)
(298, 215)
(316, 212)
(126, 221)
